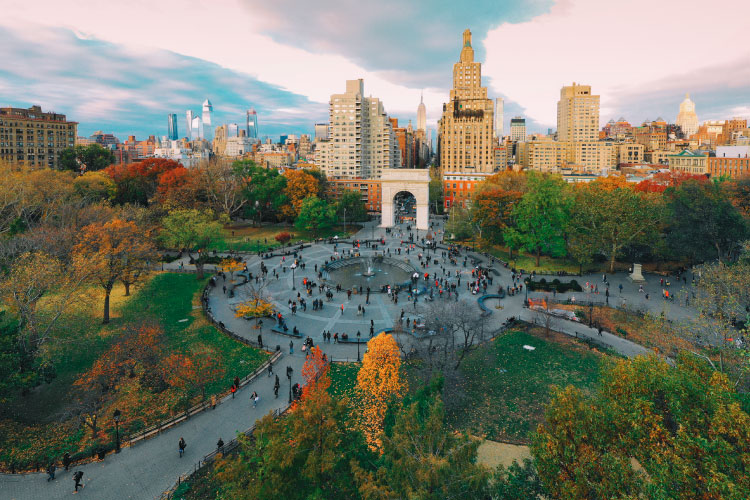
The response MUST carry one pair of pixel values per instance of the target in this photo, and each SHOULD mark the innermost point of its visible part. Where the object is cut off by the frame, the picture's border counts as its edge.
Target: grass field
(34, 427)
(247, 238)
(507, 386)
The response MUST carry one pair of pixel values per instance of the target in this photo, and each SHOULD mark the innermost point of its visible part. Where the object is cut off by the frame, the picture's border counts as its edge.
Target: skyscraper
(206, 119)
(252, 123)
(321, 132)
(361, 140)
(466, 127)
(518, 129)
(499, 117)
(189, 126)
(577, 114)
(421, 115)
(197, 128)
(172, 127)
(687, 119)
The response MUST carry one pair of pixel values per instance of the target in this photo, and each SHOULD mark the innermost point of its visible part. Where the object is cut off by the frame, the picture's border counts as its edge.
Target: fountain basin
(368, 272)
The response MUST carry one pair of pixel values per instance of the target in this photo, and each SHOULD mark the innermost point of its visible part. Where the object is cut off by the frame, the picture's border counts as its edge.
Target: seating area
(486, 311)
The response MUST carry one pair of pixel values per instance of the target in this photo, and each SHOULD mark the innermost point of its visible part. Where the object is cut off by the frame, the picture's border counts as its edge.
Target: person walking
(51, 471)
(181, 445)
(254, 399)
(270, 368)
(77, 477)
(291, 347)
(66, 460)
(260, 341)
(220, 445)
(233, 390)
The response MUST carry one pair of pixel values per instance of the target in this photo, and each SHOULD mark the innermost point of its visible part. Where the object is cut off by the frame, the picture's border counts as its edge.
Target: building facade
(499, 117)
(689, 162)
(687, 119)
(172, 133)
(251, 125)
(577, 114)
(467, 124)
(34, 138)
(730, 161)
(369, 188)
(459, 186)
(517, 129)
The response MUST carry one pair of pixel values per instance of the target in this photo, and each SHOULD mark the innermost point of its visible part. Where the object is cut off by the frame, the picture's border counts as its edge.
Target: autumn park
(232, 331)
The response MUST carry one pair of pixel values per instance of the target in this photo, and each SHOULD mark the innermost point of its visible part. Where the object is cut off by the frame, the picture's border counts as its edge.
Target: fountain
(369, 272)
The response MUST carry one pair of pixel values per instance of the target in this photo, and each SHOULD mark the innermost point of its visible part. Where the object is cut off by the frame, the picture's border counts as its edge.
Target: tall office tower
(197, 128)
(361, 141)
(518, 129)
(499, 117)
(189, 116)
(34, 138)
(172, 127)
(321, 132)
(232, 130)
(687, 119)
(421, 115)
(577, 114)
(252, 123)
(206, 118)
(466, 127)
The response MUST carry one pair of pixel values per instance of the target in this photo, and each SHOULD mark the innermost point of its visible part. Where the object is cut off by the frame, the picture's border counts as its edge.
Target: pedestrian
(213, 402)
(220, 445)
(270, 368)
(51, 471)
(260, 341)
(237, 382)
(255, 399)
(233, 390)
(291, 347)
(66, 460)
(77, 476)
(181, 446)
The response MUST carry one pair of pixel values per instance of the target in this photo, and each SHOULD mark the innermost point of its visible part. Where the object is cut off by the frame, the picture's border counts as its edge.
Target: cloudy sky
(123, 66)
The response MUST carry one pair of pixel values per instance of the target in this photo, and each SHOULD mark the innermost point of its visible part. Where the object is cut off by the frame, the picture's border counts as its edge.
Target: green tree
(193, 231)
(459, 224)
(541, 217)
(703, 224)
(609, 219)
(86, 158)
(519, 481)
(351, 201)
(264, 191)
(682, 424)
(436, 195)
(315, 214)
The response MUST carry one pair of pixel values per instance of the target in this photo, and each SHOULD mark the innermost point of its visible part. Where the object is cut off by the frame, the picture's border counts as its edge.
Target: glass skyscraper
(172, 126)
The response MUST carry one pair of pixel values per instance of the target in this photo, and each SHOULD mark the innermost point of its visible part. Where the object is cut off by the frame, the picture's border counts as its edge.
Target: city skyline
(104, 77)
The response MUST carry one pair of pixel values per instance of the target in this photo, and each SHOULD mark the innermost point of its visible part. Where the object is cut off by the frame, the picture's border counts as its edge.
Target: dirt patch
(491, 453)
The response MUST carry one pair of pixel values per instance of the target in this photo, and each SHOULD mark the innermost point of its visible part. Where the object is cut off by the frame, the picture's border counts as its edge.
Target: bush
(554, 285)
(283, 237)
(621, 331)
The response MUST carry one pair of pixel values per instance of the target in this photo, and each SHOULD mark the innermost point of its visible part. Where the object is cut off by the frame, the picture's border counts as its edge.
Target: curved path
(149, 468)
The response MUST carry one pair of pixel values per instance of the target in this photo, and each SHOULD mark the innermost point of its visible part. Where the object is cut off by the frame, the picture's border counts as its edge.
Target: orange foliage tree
(137, 182)
(379, 382)
(492, 210)
(178, 188)
(299, 185)
(231, 266)
(661, 181)
(108, 250)
(193, 372)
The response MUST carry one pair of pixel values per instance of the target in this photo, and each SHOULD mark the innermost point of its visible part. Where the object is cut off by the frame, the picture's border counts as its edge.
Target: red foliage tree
(663, 180)
(283, 237)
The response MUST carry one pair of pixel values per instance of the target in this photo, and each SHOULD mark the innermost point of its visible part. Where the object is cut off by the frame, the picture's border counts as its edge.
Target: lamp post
(293, 266)
(116, 417)
(527, 290)
(345, 222)
(289, 371)
(358, 334)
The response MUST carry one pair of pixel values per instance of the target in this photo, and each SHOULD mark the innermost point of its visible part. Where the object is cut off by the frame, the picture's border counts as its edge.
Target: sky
(122, 67)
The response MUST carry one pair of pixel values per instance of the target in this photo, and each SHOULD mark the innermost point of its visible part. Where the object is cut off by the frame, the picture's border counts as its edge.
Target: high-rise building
(172, 127)
(361, 142)
(686, 118)
(206, 118)
(518, 129)
(577, 114)
(252, 123)
(421, 115)
(321, 132)
(197, 128)
(499, 118)
(466, 127)
(34, 138)
(189, 116)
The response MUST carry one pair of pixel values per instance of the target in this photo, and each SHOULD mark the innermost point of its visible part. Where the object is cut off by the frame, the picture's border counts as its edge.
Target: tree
(458, 224)
(703, 224)
(137, 182)
(192, 231)
(83, 159)
(682, 424)
(612, 216)
(541, 217)
(509, 180)
(351, 207)
(264, 191)
(108, 251)
(94, 187)
(315, 214)
(378, 382)
(300, 185)
(193, 372)
(492, 210)
(180, 188)
(231, 266)
(255, 301)
(516, 482)
(436, 194)
(225, 185)
(283, 237)
(423, 459)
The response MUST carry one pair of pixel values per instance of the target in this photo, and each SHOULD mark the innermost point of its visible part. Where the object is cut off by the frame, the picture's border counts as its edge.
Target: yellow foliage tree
(231, 266)
(378, 382)
(299, 185)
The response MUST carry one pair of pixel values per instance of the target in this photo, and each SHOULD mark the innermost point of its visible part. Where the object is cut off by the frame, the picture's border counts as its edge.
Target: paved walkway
(151, 467)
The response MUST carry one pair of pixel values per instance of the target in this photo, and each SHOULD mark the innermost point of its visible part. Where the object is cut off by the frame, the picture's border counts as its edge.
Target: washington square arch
(400, 181)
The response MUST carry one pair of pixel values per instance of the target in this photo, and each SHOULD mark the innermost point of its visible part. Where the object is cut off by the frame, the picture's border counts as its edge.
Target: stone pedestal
(636, 276)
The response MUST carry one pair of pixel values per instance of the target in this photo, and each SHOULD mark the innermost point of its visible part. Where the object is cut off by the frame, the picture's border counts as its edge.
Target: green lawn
(343, 379)
(30, 427)
(245, 238)
(507, 387)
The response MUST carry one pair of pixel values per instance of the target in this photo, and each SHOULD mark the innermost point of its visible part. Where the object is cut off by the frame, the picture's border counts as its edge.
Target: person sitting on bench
(295, 331)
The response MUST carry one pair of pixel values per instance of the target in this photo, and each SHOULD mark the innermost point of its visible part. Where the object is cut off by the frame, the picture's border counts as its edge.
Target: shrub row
(555, 284)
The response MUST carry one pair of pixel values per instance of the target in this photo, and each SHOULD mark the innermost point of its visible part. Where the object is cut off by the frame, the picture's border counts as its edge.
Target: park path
(151, 467)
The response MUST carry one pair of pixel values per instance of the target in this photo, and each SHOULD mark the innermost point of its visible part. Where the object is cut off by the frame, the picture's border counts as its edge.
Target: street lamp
(344, 221)
(116, 417)
(293, 266)
(358, 334)
(289, 371)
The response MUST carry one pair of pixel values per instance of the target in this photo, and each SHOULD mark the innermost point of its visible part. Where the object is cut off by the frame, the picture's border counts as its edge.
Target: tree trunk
(612, 263)
(538, 255)
(127, 288)
(199, 268)
(107, 291)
